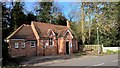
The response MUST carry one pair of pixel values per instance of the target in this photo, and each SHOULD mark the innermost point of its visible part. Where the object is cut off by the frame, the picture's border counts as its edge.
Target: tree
(48, 12)
(44, 12)
(30, 17)
(5, 32)
(12, 18)
(110, 22)
(17, 15)
(60, 19)
(103, 15)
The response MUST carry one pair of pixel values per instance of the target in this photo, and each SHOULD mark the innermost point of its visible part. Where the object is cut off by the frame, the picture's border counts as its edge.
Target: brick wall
(14, 52)
(31, 51)
(75, 45)
(27, 51)
(61, 46)
(50, 49)
(39, 51)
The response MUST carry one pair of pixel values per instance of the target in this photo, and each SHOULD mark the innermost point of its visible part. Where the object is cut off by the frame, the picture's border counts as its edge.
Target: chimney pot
(68, 24)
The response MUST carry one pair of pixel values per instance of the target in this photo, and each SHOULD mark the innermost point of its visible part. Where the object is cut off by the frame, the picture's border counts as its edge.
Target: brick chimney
(68, 24)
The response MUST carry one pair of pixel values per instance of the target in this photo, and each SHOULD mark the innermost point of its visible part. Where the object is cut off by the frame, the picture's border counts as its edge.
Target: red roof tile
(25, 32)
(42, 29)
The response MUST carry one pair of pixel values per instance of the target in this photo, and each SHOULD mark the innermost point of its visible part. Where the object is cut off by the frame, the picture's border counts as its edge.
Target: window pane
(50, 41)
(32, 44)
(16, 45)
(23, 45)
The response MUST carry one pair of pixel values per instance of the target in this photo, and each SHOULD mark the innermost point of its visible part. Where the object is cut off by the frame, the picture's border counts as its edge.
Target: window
(75, 45)
(22, 45)
(50, 41)
(71, 45)
(16, 45)
(32, 44)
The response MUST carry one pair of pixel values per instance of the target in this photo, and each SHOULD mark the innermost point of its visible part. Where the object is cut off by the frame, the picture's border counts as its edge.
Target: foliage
(17, 15)
(49, 13)
(44, 11)
(12, 18)
(108, 31)
(13, 66)
(59, 19)
(30, 17)
(103, 15)
(5, 31)
(112, 52)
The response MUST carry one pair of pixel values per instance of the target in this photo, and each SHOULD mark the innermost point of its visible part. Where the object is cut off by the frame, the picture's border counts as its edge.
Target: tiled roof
(25, 32)
(42, 29)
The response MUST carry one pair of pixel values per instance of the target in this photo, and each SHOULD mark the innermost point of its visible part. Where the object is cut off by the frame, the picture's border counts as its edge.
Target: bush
(112, 52)
(109, 52)
(11, 66)
(118, 52)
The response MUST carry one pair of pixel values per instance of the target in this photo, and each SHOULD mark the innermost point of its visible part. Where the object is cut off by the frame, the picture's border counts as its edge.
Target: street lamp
(98, 40)
(97, 36)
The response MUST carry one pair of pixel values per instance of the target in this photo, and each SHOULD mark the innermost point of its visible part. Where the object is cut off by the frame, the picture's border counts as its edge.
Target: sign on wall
(46, 44)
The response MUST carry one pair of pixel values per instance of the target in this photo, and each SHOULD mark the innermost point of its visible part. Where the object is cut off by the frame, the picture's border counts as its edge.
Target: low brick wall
(95, 49)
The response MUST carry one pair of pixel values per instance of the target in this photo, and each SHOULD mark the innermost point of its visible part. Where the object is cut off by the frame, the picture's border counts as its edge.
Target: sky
(66, 7)
(30, 6)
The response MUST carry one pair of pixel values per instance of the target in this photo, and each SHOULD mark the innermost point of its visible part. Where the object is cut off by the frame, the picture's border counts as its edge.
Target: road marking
(99, 64)
(115, 60)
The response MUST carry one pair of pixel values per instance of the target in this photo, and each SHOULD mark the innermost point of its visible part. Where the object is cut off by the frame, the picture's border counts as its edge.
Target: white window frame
(23, 45)
(68, 32)
(50, 30)
(32, 44)
(16, 45)
(71, 45)
(51, 40)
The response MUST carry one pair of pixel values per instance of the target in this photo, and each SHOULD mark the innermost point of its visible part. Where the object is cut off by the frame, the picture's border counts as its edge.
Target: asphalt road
(107, 60)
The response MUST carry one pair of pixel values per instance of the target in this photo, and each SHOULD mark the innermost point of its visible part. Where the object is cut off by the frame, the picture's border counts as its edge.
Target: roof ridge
(50, 24)
(26, 24)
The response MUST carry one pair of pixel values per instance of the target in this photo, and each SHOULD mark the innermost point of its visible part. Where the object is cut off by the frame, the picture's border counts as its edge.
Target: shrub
(11, 66)
(112, 52)
(118, 52)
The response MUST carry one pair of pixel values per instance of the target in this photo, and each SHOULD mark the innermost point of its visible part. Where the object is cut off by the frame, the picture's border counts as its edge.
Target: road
(107, 60)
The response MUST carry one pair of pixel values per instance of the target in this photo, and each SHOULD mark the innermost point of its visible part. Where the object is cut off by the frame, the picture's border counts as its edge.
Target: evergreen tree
(17, 15)
(44, 12)
(30, 17)
(5, 32)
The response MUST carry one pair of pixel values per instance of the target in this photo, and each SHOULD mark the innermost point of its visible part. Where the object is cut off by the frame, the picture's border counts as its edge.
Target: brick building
(40, 39)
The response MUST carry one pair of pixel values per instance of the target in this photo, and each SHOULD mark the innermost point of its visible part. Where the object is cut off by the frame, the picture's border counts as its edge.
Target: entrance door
(67, 47)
